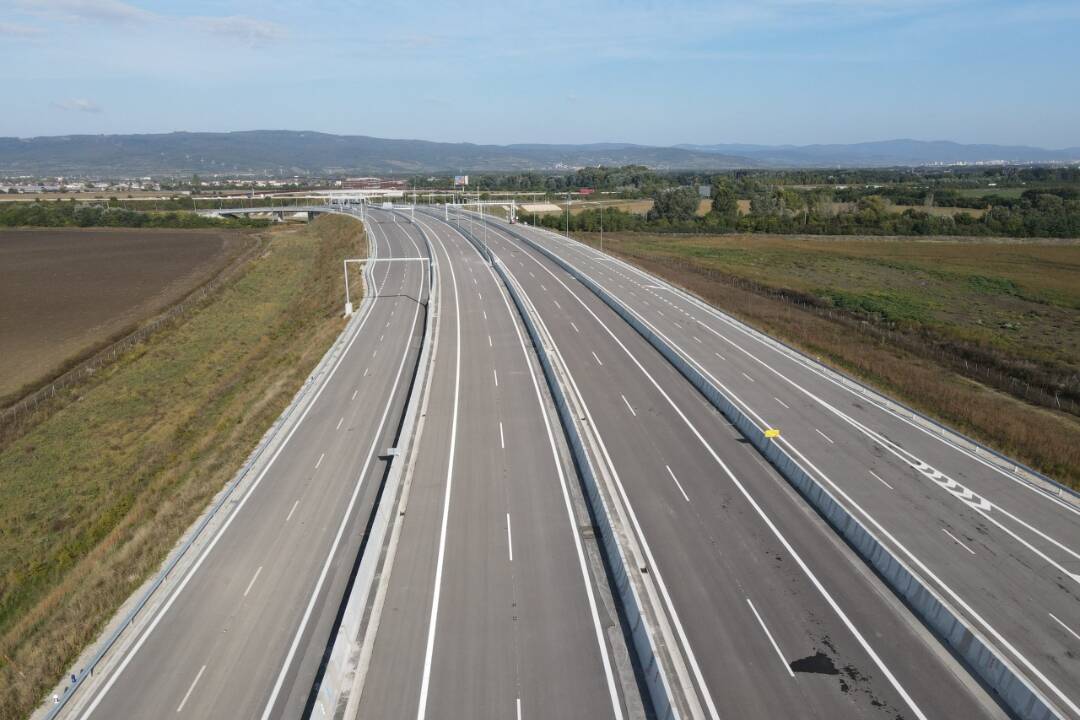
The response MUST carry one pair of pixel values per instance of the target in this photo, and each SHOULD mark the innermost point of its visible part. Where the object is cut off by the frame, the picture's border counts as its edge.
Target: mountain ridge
(290, 152)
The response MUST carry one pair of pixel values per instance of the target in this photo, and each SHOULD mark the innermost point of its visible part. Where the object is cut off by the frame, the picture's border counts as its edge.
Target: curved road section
(242, 631)
(1002, 552)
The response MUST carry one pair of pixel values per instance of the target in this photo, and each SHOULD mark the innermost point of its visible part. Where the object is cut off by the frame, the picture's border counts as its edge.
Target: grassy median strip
(94, 497)
(982, 334)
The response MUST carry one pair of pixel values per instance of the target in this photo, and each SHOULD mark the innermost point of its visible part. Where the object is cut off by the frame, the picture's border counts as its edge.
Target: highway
(1004, 553)
(243, 632)
(494, 601)
(492, 608)
(771, 604)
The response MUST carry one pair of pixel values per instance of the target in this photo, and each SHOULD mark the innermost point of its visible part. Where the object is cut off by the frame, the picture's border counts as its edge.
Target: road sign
(461, 180)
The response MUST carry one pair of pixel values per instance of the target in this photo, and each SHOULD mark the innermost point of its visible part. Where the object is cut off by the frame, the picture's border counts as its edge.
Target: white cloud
(249, 30)
(16, 30)
(109, 11)
(252, 31)
(78, 105)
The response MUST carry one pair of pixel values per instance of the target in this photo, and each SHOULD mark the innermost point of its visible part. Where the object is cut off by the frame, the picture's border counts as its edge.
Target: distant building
(371, 183)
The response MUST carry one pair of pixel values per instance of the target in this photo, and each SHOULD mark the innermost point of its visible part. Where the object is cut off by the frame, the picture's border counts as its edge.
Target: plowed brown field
(65, 293)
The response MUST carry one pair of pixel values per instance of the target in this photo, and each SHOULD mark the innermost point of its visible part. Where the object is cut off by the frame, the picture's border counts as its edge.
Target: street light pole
(601, 227)
(568, 216)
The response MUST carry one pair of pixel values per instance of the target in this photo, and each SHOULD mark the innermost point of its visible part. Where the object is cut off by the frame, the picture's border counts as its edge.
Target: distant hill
(290, 152)
(286, 152)
(888, 153)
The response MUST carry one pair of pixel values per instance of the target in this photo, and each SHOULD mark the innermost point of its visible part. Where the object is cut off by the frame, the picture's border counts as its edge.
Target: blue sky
(651, 72)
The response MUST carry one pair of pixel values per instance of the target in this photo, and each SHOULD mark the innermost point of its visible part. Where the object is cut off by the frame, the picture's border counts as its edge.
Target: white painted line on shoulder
(677, 483)
(1069, 629)
(772, 640)
(319, 461)
(339, 423)
(957, 541)
(597, 359)
(782, 402)
(509, 539)
(824, 436)
(880, 479)
(188, 693)
(253, 579)
(628, 405)
(292, 510)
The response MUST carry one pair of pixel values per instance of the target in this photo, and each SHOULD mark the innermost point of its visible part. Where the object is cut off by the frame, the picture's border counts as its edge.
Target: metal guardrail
(991, 667)
(268, 438)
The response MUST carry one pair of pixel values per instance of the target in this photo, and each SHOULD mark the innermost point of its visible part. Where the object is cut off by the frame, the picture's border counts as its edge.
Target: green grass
(920, 318)
(94, 496)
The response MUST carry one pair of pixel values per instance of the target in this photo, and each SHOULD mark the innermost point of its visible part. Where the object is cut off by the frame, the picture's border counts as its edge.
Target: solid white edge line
(776, 647)
(598, 629)
(761, 513)
(429, 649)
(345, 518)
(221, 531)
(183, 702)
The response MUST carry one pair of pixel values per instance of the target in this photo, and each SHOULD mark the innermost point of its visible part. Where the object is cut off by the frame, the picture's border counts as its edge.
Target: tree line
(70, 214)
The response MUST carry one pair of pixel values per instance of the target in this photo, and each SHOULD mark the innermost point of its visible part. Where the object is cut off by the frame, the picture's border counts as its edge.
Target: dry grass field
(65, 293)
(94, 496)
(984, 334)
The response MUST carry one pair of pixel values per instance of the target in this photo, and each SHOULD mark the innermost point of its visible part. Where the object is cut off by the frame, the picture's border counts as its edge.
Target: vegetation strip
(980, 335)
(94, 497)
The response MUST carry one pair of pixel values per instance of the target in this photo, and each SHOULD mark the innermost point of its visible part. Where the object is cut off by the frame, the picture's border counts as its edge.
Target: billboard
(461, 180)
(586, 191)
(704, 191)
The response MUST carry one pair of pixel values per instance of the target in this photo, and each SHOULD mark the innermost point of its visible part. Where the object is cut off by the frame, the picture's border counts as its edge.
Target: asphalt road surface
(243, 634)
(492, 610)
(1004, 553)
(495, 605)
(776, 613)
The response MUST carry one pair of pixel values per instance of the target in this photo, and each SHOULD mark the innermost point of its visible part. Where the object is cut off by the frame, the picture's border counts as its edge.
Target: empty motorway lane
(243, 631)
(492, 608)
(770, 603)
(1003, 552)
